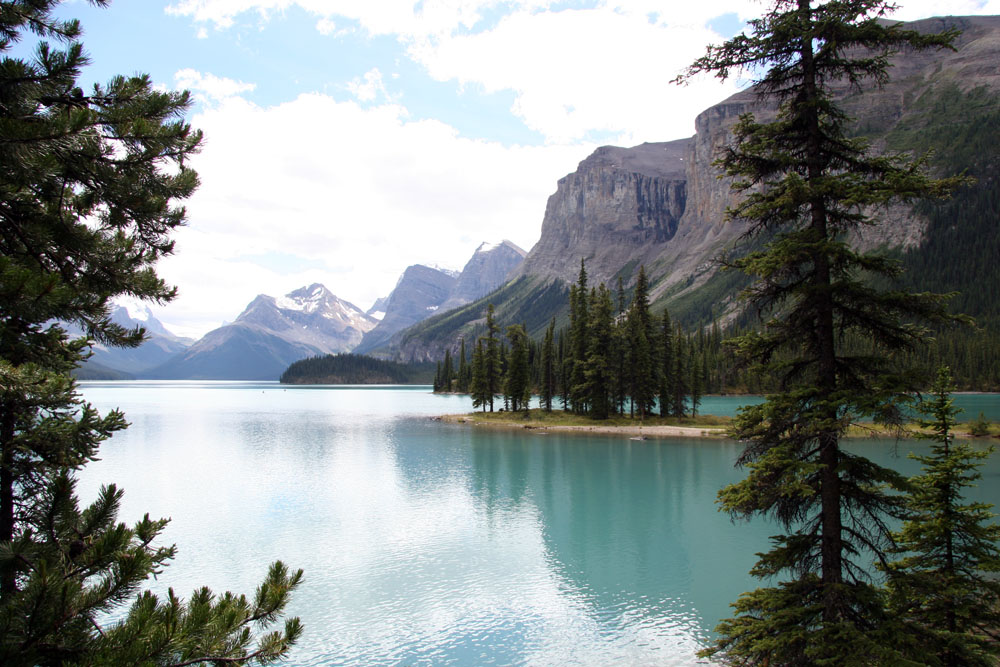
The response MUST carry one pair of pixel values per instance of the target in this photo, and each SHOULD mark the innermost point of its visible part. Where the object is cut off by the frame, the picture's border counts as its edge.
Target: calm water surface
(430, 543)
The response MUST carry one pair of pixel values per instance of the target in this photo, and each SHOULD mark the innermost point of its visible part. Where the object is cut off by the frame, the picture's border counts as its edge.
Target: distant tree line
(354, 369)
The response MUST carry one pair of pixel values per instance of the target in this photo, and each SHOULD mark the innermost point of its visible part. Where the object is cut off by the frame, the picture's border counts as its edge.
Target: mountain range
(661, 206)
(271, 333)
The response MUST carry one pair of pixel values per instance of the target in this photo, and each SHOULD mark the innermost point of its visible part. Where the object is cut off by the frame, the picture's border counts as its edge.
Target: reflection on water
(429, 543)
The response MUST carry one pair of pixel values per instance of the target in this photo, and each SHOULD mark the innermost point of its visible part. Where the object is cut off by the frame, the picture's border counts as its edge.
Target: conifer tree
(90, 186)
(696, 381)
(666, 364)
(478, 385)
(640, 355)
(517, 385)
(446, 372)
(680, 375)
(598, 371)
(463, 369)
(548, 380)
(945, 586)
(492, 361)
(579, 339)
(805, 185)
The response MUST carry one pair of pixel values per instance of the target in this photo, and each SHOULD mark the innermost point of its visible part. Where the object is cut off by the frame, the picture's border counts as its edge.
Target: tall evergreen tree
(945, 586)
(478, 385)
(90, 186)
(579, 339)
(696, 380)
(598, 371)
(805, 185)
(517, 385)
(492, 362)
(463, 370)
(446, 372)
(641, 352)
(666, 364)
(680, 375)
(549, 361)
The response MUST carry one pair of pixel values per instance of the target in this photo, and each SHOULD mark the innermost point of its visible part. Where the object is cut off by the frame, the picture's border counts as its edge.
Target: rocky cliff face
(486, 270)
(620, 204)
(419, 294)
(663, 204)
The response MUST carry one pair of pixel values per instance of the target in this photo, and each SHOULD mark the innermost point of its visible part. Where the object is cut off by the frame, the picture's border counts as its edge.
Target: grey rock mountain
(423, 292)
(418, 294)
(269, 335)
(662, 205)
(486, 270)
(161, 345)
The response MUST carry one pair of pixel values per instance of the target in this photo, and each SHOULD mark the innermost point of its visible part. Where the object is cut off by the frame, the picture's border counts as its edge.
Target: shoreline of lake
(643, 432)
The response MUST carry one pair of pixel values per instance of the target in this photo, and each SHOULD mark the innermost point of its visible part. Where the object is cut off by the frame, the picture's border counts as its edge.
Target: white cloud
(366, 88)
(325, 26)
(364, 192)
(208, 87)
(575, 72)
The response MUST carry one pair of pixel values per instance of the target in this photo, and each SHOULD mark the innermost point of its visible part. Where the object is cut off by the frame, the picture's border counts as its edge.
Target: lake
(425, 543)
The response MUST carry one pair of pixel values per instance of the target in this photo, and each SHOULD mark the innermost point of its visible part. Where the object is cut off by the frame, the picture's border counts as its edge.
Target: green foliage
(805, 185)
(979, 427)
(945, 586)
(517, 386)
(89, 192)
(354, 369)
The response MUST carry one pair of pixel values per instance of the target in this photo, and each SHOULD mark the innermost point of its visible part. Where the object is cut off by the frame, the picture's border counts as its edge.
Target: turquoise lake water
(426, 543)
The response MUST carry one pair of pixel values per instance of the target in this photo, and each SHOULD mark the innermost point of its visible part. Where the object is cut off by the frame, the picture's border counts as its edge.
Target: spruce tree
(478, 385)
(579, 339)
(680, 375)
(90, 185)
(548, 380)
(492, 362)
(945, 586)
(463, 370)
(598, 366)
(641, 351)
(666, 364)
(517, 384)
(446, 372)
(805, 185)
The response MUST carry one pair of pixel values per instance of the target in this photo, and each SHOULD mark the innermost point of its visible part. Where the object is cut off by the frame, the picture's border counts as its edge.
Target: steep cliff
(418, 294)
(663, 205)
(485, 271)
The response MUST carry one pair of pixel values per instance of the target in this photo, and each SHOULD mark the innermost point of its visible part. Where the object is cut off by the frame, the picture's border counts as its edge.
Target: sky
(348, 139)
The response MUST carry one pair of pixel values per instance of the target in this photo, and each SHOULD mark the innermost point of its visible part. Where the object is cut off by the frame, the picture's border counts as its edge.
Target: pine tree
(666, 364)
(805, 185)
(680, 383)
(641, 352)
(446, 372)
(548, 382)
(463, 370)
(579, 339)
(517, 385)
(598, 367)
(696, 381)
(492, 362)
(478, 385)
(945, 586)
(89, 193)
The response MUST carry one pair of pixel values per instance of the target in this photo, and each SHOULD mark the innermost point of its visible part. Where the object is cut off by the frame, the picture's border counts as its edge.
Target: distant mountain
(123, 363)
(424, 291)
(484, 272)
(418, 294)
(378, 308)
(269, 335)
